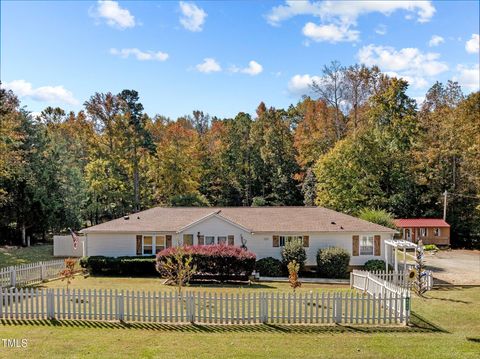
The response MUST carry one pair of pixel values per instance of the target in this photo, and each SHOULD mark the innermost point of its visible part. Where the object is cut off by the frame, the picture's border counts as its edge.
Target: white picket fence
(198, 307)
(399, 279)
(27, 274)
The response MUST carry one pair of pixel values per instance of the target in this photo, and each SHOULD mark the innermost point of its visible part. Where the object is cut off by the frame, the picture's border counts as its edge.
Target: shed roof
(421, 222)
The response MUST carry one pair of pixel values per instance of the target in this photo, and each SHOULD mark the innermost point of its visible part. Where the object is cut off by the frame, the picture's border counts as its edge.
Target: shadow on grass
(421, 324)
(200, 285)
(449, 300)
(475, 340)
(418, 325)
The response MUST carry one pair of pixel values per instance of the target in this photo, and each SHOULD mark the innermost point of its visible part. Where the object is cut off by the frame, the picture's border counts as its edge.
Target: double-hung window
(222, 240)
(160, 242)
(147, 245)
(285, 239)
(188, 239)
(209, 240)
(366, 245)
(422, 232)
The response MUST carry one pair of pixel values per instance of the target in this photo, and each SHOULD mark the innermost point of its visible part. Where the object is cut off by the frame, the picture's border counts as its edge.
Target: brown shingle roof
(256, 219)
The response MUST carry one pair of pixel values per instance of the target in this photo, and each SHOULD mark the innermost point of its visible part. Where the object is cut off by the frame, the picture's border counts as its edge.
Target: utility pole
(445, 205)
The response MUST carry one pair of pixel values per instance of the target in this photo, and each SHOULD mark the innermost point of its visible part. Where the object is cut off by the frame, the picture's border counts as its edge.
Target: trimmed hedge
(123, 266)
(217, 261)
(333, 262)
(269, 267)
(374, 265)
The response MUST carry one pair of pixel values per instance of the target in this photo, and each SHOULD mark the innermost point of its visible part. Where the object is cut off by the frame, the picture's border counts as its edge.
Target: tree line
(359, 142)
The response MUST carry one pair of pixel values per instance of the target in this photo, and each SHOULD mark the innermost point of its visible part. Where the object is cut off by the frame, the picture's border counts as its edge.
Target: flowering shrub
(220, 260)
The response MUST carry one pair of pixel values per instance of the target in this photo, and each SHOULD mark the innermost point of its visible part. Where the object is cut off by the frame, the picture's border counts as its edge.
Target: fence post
(13, 277)
(50, 304)
(120, 314)
(192, 307)
(337, 309)
(264, 305)
(407, 309)
(42, 271)
(351, 280)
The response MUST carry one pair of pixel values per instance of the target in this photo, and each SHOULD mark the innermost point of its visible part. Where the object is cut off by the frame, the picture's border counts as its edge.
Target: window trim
(368, 237)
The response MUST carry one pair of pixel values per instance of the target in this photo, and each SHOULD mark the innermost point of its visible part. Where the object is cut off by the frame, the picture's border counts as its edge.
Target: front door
(408, 234)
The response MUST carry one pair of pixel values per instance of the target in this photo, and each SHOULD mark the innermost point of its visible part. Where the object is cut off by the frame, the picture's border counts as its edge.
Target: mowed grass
(445, 324)
(11, 255)
(155, 284)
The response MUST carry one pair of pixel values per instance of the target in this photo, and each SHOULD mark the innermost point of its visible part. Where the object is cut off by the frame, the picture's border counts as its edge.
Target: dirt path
(455, 266)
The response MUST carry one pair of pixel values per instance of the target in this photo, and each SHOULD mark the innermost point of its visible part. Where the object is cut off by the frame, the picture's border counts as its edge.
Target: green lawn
(10, 256)
(444, 325)
(155, 284)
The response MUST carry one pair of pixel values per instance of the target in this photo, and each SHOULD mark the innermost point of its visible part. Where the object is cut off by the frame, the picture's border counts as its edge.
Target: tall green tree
(271, 132)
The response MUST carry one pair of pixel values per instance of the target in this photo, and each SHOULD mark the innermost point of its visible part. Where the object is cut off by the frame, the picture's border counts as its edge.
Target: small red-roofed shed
(429, 230)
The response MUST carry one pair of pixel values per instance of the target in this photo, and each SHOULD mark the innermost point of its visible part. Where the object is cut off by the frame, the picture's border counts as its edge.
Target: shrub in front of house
(216, 261)
(124, 266)
(430, 247)
(269, 267)
(374, 265)
(333, 262)
(294, 251)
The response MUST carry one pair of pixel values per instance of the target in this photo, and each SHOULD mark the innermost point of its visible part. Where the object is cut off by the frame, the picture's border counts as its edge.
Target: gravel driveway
(455, 266)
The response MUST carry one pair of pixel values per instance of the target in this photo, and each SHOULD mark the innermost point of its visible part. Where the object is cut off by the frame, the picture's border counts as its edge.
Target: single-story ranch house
(263, 230)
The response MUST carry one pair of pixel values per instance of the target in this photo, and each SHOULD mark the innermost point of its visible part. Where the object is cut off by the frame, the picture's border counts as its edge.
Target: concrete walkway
(307, 280)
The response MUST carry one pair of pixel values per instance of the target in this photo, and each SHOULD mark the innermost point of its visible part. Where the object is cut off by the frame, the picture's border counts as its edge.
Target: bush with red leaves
(219, 261)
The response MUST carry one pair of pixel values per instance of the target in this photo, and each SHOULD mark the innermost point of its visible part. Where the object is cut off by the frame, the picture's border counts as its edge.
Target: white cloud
(468, 77)
(417, 82)
(381, 29)
(348, 11)
(472, 45)
(113, 14)
(253, 68)
(408, 63)
(436, 40)
(341, 16)
(300, 84)
(419, 100)
(54, 94)
(140, 55)
(331, 33)
(192, 17)
(208, 65)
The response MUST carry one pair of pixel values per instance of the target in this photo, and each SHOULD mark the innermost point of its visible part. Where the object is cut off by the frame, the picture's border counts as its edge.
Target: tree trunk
(24, 235)
(136, 181)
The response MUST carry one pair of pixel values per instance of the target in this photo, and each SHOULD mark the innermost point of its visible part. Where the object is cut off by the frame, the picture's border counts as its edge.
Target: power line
(464, 195)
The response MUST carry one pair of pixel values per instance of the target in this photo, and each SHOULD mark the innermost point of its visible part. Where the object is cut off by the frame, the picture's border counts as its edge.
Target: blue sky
(226, 57)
